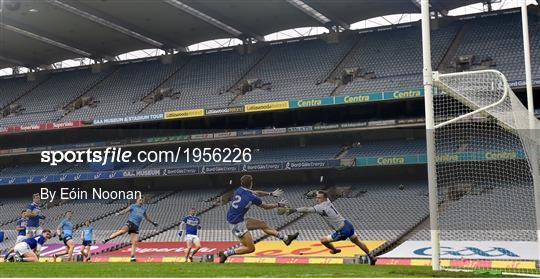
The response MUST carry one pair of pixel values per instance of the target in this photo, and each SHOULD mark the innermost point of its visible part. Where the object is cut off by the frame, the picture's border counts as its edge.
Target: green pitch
(215, 270)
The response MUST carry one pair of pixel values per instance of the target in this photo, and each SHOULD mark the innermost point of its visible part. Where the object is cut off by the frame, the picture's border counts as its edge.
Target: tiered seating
(322, 152)
(295, 71)
(120, 94)
(61, 89)
(13, 88)
(388, 148)
(10, 209)
(473, 217)
(395, 58)
(204, 80)
(500, 38)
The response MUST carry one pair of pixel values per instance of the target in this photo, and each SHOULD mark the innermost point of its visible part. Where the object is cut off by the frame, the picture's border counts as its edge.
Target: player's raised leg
(255, 224)
(123, 230)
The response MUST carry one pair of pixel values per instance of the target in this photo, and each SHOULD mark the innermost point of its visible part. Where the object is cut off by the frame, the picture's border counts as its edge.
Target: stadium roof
(42, 32)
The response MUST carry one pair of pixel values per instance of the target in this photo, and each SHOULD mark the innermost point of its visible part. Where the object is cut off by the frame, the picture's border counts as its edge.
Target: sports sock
(282, 236)
(230, 252)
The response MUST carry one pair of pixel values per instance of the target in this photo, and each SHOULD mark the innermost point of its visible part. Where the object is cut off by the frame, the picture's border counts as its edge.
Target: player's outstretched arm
(58, 231)
(37, 251)
(181, 228)
(123, 211)
(289, 211)
(147, 217)
(275, 193)
(268, 206)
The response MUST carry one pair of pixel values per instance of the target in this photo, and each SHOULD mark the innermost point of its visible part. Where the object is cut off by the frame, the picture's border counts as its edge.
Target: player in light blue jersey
(88, 237)
(137, 212)
(243, 198)
(65, 233)
(28, 250)
(192, 224)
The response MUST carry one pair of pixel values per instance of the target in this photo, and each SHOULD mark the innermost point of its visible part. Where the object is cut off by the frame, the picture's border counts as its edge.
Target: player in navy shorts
(89, 237)
(242, 200)
(65, 233)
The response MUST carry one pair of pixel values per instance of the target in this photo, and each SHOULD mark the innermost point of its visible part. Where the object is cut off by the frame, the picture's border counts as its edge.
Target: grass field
(216, 270)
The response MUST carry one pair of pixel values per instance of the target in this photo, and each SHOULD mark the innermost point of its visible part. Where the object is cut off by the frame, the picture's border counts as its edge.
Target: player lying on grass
(136, 214)
(242, 200)
(65, 233)
(28, 250)
(20, 227)
(343, 228)
(192, 224)
(88, 238)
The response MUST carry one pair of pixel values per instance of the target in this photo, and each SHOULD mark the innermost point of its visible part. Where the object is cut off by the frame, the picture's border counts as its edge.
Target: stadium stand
(60, 89)
(286, 70)
(296, 70)
(387, 148)
(204, 80)
(496, 41)
(12, 89)
(379, 72)
(121, 93)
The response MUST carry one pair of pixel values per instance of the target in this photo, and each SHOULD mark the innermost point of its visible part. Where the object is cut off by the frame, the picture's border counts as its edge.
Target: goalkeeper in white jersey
(343, 228)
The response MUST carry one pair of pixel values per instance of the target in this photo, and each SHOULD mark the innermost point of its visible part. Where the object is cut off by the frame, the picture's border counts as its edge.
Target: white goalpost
(483, 167)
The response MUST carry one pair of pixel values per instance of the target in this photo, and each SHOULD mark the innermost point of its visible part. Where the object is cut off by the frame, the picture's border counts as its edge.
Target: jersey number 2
(236, 200)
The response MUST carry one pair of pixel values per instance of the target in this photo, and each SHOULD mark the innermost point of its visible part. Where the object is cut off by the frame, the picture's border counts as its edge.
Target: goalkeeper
(343, 228)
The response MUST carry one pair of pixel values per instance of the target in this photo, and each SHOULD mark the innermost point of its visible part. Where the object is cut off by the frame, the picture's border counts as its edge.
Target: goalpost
(483, 167)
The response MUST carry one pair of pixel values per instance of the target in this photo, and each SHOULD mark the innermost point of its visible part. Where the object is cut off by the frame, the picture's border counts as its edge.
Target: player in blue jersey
(192, 224)
(243, 198)
(136, 214)
(34, 216)
(20, 227)
(28, 250)
(88, 238)
(65, 233)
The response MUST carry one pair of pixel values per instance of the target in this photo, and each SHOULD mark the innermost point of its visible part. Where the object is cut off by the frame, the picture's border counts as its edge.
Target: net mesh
(486, 166)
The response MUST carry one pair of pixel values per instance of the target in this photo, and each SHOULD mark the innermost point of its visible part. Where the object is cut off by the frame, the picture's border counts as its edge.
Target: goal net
(487, 150)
